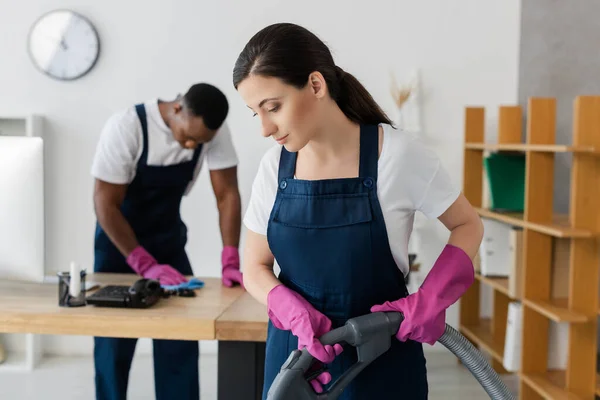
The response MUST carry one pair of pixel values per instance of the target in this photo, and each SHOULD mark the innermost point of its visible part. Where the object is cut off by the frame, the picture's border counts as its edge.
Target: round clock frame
(63, 45)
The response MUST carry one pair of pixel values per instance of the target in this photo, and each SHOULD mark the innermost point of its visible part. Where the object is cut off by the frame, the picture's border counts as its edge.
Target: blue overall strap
(141, 112)
(369, 151)
(197, 152)
(287, 164)
(369, 155)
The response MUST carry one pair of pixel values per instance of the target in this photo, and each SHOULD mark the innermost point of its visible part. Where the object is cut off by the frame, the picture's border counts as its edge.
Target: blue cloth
(193, 283)
(330, 241)
(151, 206)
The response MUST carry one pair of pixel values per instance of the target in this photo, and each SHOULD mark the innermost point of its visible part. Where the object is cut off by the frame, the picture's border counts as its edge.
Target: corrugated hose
(476, 363)
(372, 334)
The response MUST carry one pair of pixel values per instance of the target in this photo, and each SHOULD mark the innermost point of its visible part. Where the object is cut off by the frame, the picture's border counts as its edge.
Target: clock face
(64, 45)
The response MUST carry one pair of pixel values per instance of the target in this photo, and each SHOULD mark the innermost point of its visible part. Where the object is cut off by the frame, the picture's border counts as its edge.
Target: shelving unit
(541, 228)
(27, 360)
(30, 126)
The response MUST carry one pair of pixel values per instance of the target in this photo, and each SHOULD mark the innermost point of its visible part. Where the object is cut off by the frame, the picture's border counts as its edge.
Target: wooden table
(244, 321)
(242, 331)
(229, 315)
(33, 308)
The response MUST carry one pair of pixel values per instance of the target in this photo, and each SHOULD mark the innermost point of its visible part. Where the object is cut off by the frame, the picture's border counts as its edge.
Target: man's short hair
(206, 101)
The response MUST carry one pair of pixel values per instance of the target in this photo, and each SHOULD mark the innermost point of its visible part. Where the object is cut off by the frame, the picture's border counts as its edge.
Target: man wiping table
(147, 159)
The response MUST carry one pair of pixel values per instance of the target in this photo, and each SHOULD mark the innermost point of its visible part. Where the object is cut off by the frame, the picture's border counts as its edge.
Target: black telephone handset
(144, 293)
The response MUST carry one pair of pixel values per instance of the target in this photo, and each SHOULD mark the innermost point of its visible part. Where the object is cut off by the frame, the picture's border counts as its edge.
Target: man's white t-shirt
(121, 144)
(410, 178)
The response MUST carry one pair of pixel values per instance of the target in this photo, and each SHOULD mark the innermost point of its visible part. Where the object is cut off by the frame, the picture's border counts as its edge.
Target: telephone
(143, 293)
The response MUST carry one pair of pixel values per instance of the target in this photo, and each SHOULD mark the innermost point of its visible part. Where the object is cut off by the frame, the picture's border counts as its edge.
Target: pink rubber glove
(425, 311)
(230, 267)
(145, 265)
(322, 379)
(290, 311)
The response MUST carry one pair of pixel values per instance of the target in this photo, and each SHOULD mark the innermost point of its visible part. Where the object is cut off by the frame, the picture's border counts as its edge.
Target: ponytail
(355, 101)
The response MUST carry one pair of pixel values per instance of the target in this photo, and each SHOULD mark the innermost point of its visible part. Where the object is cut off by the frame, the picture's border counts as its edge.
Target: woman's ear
(317, 84)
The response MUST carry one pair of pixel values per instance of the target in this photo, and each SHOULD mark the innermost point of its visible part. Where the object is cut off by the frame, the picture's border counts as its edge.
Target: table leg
(241, 370)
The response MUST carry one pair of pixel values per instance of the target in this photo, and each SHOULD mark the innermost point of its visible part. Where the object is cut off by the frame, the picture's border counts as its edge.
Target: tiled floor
(72, 378)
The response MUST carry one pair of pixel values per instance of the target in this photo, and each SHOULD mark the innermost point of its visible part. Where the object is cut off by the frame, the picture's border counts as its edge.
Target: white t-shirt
(410, 177)
(121, 144)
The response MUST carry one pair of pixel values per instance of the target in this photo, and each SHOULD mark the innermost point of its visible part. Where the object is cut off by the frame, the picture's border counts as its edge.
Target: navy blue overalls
(330, 241)
(151, 206)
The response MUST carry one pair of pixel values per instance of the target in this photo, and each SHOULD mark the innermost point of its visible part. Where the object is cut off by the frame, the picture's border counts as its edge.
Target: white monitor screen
(21, 209)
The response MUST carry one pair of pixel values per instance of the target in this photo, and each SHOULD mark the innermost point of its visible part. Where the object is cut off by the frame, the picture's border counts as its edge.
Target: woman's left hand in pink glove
(423, 322)
(425, 311)
(230, 267)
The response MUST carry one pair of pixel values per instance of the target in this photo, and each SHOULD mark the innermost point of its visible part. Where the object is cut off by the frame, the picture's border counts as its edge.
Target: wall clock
(64, 45)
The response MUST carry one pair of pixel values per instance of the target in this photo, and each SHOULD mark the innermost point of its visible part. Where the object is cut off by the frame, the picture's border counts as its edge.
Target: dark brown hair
(291, 53)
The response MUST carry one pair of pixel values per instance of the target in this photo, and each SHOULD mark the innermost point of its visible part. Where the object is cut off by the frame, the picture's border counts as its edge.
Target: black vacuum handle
(371, 334)
(360, 329)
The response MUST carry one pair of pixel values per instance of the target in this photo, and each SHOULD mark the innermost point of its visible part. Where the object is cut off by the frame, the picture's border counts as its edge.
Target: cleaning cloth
(193, 283)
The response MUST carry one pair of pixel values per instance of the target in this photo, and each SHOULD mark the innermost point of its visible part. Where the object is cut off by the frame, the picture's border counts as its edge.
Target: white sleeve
(118, 150)
(264, 191)
(440, 194)
(425, 181)
(221, 153)
(436, 191)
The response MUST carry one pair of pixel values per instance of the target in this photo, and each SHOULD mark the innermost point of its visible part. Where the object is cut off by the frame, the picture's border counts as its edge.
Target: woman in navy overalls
(326, 229)
(151, 207)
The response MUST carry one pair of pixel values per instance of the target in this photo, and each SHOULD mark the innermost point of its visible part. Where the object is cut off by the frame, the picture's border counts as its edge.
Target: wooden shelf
(481, 335)
(541, 256)
(521, 147)
(499, 284)
(550, 385)
(559, 228)
(556, 309)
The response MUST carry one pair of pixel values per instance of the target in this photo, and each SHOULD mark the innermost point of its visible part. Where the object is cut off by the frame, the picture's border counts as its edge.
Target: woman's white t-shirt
(410, 178)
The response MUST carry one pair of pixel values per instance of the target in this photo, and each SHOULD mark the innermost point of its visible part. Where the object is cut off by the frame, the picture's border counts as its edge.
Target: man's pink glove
(230, 267)
(145, 265)
(425, 311)
(290, 311)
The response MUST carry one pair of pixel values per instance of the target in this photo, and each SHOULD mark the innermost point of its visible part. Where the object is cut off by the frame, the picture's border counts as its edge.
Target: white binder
(498, 248)
(512, 342)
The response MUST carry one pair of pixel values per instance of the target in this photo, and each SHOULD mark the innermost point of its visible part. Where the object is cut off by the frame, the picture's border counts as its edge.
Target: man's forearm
(117, 228)
(230, 217)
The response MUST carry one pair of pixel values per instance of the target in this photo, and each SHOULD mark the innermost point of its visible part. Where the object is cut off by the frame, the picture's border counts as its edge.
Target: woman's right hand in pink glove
(145, 265)
(290, 311)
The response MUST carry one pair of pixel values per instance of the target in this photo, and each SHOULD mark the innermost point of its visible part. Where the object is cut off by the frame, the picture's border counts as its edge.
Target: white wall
(466, 51)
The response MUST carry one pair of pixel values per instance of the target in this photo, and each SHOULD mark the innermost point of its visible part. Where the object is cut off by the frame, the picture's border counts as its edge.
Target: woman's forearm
(464, 223)
(468, 236)
(259, 280)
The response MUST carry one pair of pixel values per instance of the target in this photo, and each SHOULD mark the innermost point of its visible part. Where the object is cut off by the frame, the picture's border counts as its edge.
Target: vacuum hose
(372, 335)
(474, 361)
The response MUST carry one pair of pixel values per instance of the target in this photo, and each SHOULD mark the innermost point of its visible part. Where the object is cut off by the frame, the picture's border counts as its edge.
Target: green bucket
(506, 180)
